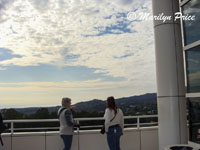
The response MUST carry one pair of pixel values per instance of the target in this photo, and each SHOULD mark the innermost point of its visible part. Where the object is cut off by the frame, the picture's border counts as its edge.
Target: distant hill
(32, 110)
(133, 103)
(92, 105)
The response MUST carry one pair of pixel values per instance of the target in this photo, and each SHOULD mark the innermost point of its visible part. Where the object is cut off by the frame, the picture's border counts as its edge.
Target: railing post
(138, 122)
(12, 127)
(78, 128)
(45, 138)
(78, 135)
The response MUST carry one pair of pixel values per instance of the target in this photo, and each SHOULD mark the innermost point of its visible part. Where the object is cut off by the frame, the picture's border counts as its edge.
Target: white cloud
(48, 31)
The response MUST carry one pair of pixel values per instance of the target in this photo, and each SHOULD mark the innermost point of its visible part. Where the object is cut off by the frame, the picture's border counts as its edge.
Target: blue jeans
(67, 139)
(113, 137)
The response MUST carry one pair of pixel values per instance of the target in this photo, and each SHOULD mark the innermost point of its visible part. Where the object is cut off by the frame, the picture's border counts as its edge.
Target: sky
(82, 49)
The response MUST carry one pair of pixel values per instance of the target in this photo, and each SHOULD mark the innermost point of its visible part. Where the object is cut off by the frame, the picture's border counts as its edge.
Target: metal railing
(136, 125)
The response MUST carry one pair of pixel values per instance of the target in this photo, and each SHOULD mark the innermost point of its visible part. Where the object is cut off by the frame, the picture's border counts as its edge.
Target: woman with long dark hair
(114, 124)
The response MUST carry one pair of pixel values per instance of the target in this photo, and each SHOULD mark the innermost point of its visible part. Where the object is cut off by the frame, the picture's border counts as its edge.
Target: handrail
(78, 119)
(137, 124)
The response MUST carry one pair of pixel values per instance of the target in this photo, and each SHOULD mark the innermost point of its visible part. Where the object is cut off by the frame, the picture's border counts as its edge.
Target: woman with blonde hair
(67, 122)
(114, 123)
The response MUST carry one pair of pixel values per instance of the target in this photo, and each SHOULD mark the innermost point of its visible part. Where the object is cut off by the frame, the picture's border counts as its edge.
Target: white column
(170, 75)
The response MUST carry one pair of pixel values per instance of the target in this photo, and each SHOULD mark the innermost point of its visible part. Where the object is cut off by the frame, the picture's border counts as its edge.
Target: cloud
(43, 93)
(125, 2)
(50, 32)
(52, 73)
(194, 79)
(2, 68)
(40, 5)
(4, 3)
(6, 54)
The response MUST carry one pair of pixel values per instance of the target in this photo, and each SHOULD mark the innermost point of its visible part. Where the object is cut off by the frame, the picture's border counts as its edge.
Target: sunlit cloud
(80, 33)
(41, 93)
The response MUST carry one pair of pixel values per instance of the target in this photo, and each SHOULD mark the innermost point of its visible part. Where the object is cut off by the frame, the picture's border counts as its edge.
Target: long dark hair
(111, 104)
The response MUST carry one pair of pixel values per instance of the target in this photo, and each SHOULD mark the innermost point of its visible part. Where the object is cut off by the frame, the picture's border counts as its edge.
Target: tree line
(43, 113)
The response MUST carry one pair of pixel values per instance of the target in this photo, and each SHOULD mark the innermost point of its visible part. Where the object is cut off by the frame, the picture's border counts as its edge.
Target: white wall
(133, 139)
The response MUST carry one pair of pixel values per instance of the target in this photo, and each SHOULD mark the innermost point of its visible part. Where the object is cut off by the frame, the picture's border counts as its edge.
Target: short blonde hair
(65, 100)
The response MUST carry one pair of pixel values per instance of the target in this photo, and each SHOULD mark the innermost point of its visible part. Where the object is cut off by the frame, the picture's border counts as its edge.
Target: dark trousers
(67, 139)
(113, 137)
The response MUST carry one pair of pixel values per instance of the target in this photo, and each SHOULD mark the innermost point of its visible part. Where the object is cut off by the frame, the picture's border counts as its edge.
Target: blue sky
(7, 54)
(45, 73)
(73, 48)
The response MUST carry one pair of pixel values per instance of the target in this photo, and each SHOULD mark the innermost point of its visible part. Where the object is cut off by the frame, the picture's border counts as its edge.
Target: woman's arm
(122, 121)
(107, 116)
(68, 118)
